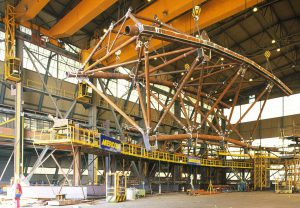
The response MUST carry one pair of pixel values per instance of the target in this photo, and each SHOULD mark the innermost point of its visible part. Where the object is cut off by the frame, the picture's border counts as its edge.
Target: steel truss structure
(206, 64)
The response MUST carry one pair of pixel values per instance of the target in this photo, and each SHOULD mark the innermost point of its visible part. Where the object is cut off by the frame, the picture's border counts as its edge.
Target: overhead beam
(78, 17)
(28, 9)
(212, 11)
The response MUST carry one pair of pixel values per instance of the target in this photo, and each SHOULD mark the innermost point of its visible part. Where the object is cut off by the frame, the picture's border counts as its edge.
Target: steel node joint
(270, 86)
(132, 30)
(242, 71)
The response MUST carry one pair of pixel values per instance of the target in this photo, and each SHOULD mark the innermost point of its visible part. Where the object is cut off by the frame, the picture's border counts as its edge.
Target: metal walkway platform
(71, 136)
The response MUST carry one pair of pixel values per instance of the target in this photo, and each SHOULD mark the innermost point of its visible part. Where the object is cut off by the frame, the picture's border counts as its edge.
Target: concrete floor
(224, 200)
(181, 200)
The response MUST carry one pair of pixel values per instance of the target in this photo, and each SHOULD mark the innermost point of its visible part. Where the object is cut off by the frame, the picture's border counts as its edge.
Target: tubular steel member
(146, 121)
(104, 68)
(197, 84)
(170, 113)
(111, 52)
(241, 71)
(146, 54)
(196, 105)
(169, 62)
(185, 79)
(185, 113)
(260, 112)
(268, 88)
(202, 114)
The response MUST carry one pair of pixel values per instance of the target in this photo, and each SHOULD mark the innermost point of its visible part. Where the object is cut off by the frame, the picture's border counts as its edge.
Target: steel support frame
(260, 113)
(241, 71)
(142, 104)
(267, 88)
(170, 113)
(42, 80)
(112, 111)
(143, 34)
(120, 111)
(46, 76)
(178, 91)
(60, 168)
(147, 86)
(167, 83)
(202, 115)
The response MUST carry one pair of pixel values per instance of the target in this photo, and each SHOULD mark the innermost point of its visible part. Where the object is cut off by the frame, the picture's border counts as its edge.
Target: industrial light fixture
(230, 100)
(267, 54)
(182, 73)
(278, 50)
(149, 0)
(192, 78)
(196, 12)
(250, 80)
(255, 9)
(222, 59)
(186, 66)
(273, 41)
(104, 30)
(155, 58)
(197, 36)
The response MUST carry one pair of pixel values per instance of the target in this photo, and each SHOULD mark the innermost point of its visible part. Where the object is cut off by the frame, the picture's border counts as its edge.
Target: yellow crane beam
(168, 10)
(78, 17)
(28, 9)
(212, 12)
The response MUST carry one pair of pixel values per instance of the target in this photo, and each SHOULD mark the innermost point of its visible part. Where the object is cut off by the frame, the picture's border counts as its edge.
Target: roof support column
(93, 159)
(77, 166)
(19, 121)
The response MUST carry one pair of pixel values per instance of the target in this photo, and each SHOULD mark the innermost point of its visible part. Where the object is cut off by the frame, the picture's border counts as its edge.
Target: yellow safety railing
(138, 151)
(3, 133)
(233, 154)
(79, 136)
(68, 134)
(226, 163)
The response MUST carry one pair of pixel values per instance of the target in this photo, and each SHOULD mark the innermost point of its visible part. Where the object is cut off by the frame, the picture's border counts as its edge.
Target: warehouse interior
(146, 103)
